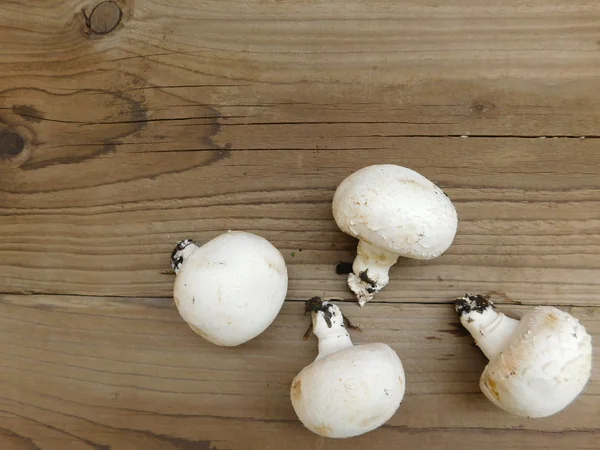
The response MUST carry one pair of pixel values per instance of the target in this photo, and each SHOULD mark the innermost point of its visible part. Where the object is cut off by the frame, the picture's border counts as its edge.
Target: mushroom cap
(546, 365)
(349, 392)
(232, 288)
(396, 209)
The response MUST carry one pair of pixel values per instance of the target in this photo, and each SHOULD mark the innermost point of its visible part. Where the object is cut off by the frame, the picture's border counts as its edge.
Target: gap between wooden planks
(94, 372)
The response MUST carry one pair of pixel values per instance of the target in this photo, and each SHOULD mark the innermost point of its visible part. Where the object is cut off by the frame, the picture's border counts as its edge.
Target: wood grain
(102, 372)
(155, 121)
(105, 225)
(373, 68)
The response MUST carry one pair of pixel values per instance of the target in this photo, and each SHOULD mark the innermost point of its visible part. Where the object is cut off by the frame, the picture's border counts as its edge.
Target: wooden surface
(122, 132)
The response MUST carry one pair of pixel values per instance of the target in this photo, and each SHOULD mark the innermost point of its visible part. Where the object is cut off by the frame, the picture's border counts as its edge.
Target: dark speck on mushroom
(364, 277)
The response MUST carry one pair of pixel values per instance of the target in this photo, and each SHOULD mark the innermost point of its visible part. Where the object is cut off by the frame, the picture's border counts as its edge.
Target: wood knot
(104, 18)
(482, 107)
(11, 144)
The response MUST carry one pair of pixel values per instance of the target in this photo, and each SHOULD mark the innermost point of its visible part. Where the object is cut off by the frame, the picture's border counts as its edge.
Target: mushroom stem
(491, 330)
(181, 252)
(371, 271)
(328, 326)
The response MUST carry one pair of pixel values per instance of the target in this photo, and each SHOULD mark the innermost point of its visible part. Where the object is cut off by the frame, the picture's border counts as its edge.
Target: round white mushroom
(348, 390)
(230, 289)
(538, 365)
(393, 211)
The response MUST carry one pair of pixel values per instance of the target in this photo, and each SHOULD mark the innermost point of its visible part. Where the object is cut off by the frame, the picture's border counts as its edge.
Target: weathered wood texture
(122, 132)
(100, 371)
(529, 223)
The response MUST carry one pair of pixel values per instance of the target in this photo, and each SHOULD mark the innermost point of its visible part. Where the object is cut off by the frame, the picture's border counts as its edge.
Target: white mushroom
(348, 390)
(230, 289)
(538, 365)
(393, 211)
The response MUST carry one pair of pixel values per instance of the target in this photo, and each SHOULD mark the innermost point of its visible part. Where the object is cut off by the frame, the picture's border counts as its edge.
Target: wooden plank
(101, 372)
(125, 131)
(106, 224)
(259, 74)
(313, 41)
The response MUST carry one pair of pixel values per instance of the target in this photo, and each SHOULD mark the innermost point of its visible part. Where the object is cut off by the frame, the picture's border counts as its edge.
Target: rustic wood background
(127, 126)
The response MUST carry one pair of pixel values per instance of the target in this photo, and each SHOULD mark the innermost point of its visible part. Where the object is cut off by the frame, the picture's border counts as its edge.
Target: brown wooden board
(101, 372)
(127, 125)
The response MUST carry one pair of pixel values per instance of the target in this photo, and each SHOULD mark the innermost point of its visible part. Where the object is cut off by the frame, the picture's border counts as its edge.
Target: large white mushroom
(230, 289)
(393, 211)
(348, 390)
(538, 365)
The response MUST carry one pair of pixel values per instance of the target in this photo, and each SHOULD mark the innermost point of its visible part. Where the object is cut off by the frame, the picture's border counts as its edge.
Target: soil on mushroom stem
(481, 303)
(315, 304)
(364, 276)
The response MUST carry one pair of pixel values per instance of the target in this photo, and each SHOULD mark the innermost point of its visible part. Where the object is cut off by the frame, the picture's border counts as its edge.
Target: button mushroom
(230, 289)
(393, 211)
(348, 390)
(538, 365)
